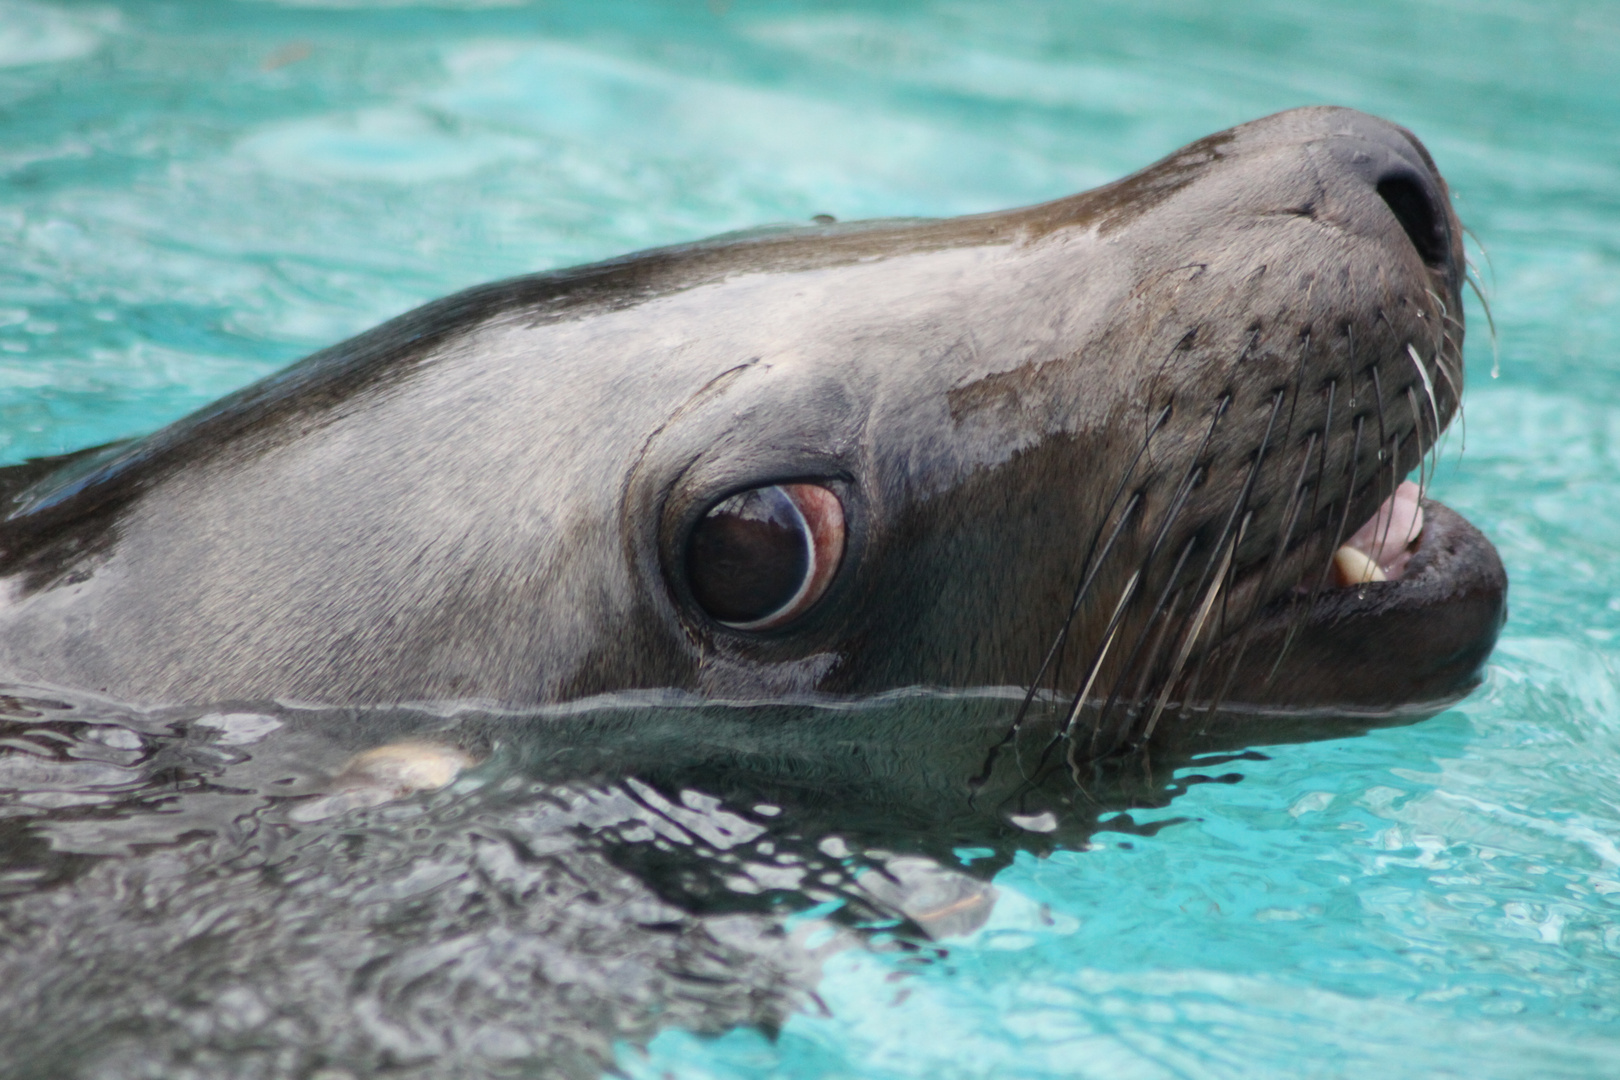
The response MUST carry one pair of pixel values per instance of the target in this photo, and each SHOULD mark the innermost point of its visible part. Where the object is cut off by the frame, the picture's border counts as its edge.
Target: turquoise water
(192, 194)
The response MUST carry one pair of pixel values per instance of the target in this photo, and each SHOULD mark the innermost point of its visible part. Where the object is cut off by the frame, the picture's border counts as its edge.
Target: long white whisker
(1187, 642)
(1102, 653)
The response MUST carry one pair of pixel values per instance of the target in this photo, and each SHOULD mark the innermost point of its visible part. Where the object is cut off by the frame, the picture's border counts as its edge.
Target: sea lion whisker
(1229, 574)
(1350, 369)
(1086, 582)
(1338, 534)
(1418, 433)
(1162, 607)
(1344, 514)
(1089, 568)
(1144, 678)
(1425, 459)
(1240, 505)
(1034, 686)
(1187, 484)
(1441, 324)
(1447, 321)
(1189, 698)
(1378, 402)
(1291, 518)
(1300, 482)
(1456, 396)
(1320, 483)
(1428, 388)
(1322, 453)
(1469, 265)
(1189, 481)
(1394, 483)
(1097, 661)
(1298, 383)
(1468, 260)
(1190, 640)
(1290, 514)
(1297, 612)
(1094, 558)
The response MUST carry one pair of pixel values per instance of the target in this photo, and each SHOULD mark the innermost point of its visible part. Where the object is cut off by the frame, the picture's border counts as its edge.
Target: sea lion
(1105, 448)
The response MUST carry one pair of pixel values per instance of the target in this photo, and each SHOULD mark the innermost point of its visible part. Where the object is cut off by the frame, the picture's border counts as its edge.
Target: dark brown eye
(761, 558)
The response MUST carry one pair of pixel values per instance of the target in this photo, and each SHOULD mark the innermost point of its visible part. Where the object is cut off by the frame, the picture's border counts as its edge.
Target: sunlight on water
(194, 193)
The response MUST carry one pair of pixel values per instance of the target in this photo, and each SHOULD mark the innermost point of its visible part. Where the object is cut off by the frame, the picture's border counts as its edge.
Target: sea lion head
(1105, 448)
(1116, 442)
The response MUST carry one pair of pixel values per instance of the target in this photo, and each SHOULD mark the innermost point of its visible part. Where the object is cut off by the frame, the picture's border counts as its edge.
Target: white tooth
(1353, 567)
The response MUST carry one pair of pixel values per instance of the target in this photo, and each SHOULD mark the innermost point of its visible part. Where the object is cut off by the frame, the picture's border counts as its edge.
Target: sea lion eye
(761, 558)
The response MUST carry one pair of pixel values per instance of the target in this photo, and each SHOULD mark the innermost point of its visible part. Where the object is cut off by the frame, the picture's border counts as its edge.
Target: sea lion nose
(1396, 165)
(1423, 220)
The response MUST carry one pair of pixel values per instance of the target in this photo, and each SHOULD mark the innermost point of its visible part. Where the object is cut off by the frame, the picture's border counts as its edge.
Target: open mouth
(1381, 549)
(1410, 611)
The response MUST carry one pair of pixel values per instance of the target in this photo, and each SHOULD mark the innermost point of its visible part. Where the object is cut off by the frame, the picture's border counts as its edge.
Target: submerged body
(1106, 446)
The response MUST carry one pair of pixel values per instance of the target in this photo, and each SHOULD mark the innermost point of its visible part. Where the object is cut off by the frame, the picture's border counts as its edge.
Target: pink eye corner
(761, 558)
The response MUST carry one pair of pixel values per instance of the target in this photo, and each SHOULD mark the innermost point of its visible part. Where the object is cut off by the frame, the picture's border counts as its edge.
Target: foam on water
(194, 193)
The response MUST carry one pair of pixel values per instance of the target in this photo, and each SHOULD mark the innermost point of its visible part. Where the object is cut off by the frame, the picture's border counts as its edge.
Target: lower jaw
(1409, 645)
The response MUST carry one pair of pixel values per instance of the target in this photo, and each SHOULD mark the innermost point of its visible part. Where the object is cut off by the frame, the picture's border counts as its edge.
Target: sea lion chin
(1104, 448)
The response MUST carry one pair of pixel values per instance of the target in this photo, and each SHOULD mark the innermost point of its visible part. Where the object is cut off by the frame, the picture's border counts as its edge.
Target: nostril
(1415, 211)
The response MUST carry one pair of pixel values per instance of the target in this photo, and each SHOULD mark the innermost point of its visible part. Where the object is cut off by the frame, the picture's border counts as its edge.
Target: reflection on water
(210, 890)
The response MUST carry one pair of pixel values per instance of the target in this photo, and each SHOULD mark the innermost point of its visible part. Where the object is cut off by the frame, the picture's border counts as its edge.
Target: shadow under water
(193, 893)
